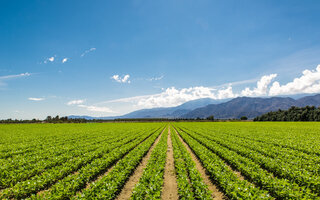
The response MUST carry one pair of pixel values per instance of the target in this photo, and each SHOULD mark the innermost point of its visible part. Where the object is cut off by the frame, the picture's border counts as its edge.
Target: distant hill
(221, 109)
(251, 107)
(170, 112)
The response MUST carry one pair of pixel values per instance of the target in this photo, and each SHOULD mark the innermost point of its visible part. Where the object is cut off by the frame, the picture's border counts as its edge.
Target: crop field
(177, 160)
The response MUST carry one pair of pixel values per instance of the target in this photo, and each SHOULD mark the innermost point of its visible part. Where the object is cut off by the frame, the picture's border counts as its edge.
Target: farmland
(186, 160)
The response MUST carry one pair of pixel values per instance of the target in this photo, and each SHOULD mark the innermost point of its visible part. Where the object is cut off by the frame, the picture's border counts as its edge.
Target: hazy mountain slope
(250, 107)
(235, 108)
(171, 112)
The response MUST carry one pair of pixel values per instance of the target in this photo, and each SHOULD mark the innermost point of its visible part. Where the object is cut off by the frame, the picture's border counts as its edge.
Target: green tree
(244, 118)
(211, 118)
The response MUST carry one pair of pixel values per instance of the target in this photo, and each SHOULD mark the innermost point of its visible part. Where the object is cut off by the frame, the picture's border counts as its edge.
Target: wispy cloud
(88, 51)
(80, 103)
(65, 60)
(119, 79)
(14, 76)
(3, 79)
(76, 102)
(35, 99)
(97, 108)
(155, 78)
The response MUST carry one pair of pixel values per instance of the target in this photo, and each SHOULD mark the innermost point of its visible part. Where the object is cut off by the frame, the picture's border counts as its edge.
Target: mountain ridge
(250, 107)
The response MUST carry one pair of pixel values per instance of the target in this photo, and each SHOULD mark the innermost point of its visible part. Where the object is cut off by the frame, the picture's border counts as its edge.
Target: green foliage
(63, 150)
(243, 118)
(190, 183)
(211, 118)
(219, 172)
(280, 160)
(150, 184)
(308, 113)
(110, 185)
(284, 167)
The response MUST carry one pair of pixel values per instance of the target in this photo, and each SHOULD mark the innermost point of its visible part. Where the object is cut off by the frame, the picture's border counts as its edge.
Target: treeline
(308, 113)
(58, 119)
(49, 119)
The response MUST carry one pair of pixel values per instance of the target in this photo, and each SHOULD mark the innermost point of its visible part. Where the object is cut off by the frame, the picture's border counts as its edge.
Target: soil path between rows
(216, 193)
(170, 187)
(135, 177)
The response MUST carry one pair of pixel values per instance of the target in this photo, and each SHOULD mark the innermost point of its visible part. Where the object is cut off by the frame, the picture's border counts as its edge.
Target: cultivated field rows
(160, 161)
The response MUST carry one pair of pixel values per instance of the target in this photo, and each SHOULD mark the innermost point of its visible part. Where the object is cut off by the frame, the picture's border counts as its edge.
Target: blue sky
(104, 58)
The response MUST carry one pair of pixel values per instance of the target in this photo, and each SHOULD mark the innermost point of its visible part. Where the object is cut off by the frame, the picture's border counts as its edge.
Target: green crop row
(279, 167)
(150, 184)
(185, 189)
(190, 183)
(279, 188)
(67, 187)
(41, 155)
(110, 185)
(49, 177)
(299, 159)
(13, 176)
(222, 175)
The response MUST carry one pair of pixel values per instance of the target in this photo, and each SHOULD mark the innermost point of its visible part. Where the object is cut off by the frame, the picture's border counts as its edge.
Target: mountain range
(221, 109)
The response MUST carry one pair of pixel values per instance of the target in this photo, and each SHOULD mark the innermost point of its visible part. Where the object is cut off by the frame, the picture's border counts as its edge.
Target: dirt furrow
(137, 174)
(170, 187)
(216, 193)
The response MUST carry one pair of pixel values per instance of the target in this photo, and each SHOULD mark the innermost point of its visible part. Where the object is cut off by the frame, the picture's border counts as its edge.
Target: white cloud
(87, 51)
(226, 93)
(155, 78)
(36, 99)
(65, 60)
(262, 86)
(3, 79)
(50, 59)
(308, 82)
(80, 104)
(97, 109)
(14, 76)
(119, 79)
(76, 102)
(173, 97)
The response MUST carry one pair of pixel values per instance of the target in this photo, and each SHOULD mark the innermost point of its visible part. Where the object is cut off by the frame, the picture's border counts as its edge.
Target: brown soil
(216, 193)
(170, 187)
(134, 179)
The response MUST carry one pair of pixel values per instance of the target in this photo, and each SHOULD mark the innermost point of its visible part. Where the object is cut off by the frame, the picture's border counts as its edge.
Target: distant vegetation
(58, 119)
(308, 113)
(49, 119)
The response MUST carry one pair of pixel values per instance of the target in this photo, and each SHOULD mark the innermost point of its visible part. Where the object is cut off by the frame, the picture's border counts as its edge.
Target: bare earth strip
(135, 177)
(216, 193)
(170, 188)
